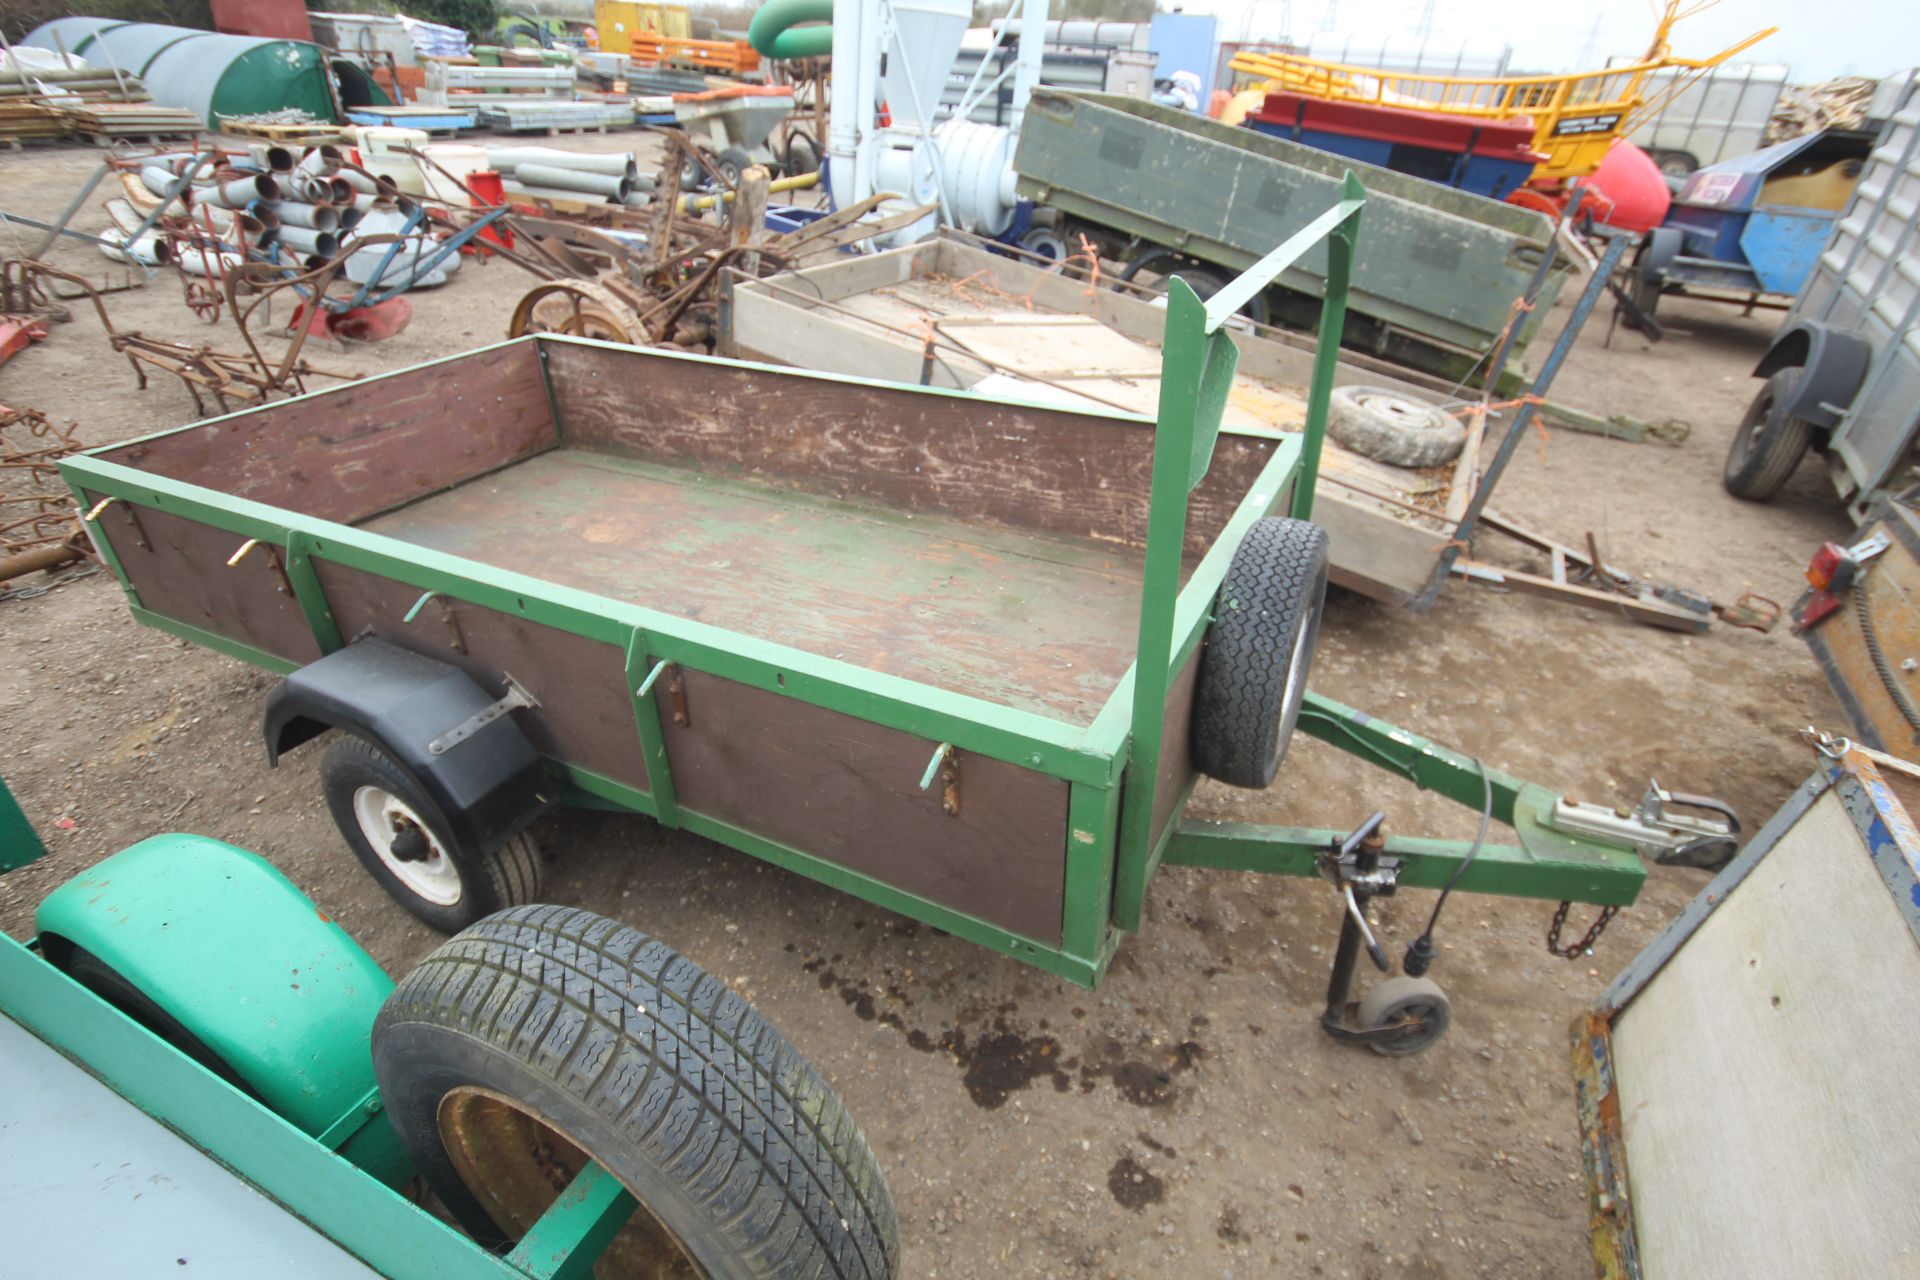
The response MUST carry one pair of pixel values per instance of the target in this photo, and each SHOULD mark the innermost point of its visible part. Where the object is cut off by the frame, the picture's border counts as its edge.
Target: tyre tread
(712, 1093)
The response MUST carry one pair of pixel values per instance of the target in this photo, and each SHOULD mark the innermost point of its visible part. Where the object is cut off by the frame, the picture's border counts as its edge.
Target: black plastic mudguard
(488, 786)
(1835, 363)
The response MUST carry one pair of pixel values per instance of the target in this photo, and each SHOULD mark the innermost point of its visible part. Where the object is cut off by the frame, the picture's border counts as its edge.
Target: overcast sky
(1819, 39)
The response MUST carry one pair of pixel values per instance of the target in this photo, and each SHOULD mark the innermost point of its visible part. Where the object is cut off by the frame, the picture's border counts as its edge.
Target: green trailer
(960, 657)
(1163, 190)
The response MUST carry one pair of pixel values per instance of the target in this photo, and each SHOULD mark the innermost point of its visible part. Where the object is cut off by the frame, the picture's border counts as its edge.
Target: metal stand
(1361, 870)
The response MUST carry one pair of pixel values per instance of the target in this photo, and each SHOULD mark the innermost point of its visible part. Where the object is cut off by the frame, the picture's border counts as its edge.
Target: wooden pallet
(94, 138)
(285, 134)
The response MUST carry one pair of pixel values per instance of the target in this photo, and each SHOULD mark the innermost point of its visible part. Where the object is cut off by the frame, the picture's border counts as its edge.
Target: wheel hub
(516, 1164)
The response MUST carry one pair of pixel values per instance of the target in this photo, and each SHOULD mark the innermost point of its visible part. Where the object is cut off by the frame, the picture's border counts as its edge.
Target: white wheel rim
(382, 817)
(1295, 667)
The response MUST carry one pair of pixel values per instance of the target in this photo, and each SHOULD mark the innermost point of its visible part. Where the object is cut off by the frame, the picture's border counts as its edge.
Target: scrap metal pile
(38, 525)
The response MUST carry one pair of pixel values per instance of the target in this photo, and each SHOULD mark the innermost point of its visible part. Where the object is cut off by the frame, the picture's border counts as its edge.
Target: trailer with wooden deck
(961, 657)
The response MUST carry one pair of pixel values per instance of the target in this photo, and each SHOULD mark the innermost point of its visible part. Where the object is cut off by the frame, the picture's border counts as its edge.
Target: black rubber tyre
(802, 158)
(1769, 442)
(1204, 281)
(1394, 428)
(449, 887)
(733, 162)
(1253, 671)
(1416, 1005)
(107, 982)
(559, 1032)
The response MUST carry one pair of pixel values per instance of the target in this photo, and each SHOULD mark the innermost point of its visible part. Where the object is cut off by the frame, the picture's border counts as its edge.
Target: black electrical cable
(1420, 952)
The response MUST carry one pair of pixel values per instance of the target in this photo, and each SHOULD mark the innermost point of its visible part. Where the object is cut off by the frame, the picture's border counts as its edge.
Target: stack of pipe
(294, 210)
(569, 175)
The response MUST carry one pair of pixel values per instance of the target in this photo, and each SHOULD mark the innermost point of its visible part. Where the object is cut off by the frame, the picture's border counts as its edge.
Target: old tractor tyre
(1769, 442)
(1393, 428)
(579, 309)
(394, 828)
(1253, 671)
(545, 1036)
(1416, 1006)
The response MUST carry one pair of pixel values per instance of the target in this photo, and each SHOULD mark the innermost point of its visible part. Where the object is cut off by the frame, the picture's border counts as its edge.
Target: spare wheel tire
(1394, 428)
(1253, 671)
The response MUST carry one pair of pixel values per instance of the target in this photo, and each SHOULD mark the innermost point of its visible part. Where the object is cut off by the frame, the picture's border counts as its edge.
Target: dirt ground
(1189, 1117)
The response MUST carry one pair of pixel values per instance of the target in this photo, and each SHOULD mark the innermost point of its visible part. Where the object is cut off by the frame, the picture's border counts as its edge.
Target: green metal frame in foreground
(1109, 765)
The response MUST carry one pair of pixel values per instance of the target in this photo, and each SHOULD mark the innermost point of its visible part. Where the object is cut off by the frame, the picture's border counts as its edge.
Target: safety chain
(1584, 947)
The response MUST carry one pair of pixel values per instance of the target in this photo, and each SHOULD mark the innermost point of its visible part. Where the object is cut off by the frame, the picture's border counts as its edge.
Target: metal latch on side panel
(516, 697)
(946, 766)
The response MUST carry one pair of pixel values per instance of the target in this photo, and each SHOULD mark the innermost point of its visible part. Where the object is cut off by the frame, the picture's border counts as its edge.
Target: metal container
(210, 74)
(1708, 118)
(1434, 288)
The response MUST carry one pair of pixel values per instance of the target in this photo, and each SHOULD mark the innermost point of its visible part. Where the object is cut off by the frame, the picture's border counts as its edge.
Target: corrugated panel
(1868, 283)
(1722, 114)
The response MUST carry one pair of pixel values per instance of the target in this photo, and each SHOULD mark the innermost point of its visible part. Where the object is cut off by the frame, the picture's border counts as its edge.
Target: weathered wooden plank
(369, 446)
(1048, 471)
(848, 791)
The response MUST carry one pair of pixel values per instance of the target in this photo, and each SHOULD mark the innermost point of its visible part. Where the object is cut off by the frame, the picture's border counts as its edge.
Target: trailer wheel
(1253, 672)
(733, 162)
(1158, 264)
(107, 982)
(397, 833)
(545, 1035)
(1769, 442)
(1392, 428)
(1416, 1005)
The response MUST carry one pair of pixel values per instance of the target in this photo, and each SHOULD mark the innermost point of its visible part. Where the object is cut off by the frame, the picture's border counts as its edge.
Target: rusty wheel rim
(578, 309)
(516, 1164)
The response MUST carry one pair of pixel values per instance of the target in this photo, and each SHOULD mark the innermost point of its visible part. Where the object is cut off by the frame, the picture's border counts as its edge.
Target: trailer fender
(488, 785)
(1835, 364)
(187, 933)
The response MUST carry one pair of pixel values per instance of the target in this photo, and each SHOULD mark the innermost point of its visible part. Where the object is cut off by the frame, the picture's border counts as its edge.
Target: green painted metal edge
(308, 592)
(570, 1236)
(102, 547)
(972, 724)
(1093, 824)
(653, 737)
(379, 1226)
(219, 643)
(19, 842)
(1198, 360)
(1613, 880)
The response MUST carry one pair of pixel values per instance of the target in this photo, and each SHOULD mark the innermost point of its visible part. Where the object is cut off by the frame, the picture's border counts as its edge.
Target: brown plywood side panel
(1037, 470)
(585, 716)
(369, 446)
(848, 791)
(1176, 751)
(178, 568)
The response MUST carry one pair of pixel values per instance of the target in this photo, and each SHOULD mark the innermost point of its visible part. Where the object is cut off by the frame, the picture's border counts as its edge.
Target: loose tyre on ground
(1769, 442)
(1393, 428)
(400, 837)
(546, 1035)
(1253, 671)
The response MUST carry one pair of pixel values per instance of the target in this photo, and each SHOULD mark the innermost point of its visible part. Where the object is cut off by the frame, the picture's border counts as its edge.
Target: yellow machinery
(1576, 117)
(619, 21)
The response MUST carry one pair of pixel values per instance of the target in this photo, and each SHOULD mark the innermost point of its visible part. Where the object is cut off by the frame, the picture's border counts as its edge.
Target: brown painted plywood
(848, 791)
(1050, 471)
(1177, 770)
(346, 454)
(178, 568)
(585, 716)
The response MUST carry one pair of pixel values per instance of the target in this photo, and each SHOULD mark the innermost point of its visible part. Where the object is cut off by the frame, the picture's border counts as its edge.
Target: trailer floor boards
(1038, 624)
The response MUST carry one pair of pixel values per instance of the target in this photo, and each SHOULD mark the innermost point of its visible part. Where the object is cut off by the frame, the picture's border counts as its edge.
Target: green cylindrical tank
(210, 74)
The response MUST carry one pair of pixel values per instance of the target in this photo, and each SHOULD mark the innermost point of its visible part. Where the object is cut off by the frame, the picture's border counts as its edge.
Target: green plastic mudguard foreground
(227, 946)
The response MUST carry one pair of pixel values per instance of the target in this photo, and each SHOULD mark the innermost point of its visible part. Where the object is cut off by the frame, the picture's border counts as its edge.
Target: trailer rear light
(1832, 568)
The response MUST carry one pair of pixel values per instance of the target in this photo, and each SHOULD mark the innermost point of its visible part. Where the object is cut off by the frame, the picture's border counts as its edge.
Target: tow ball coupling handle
(1358, 859)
